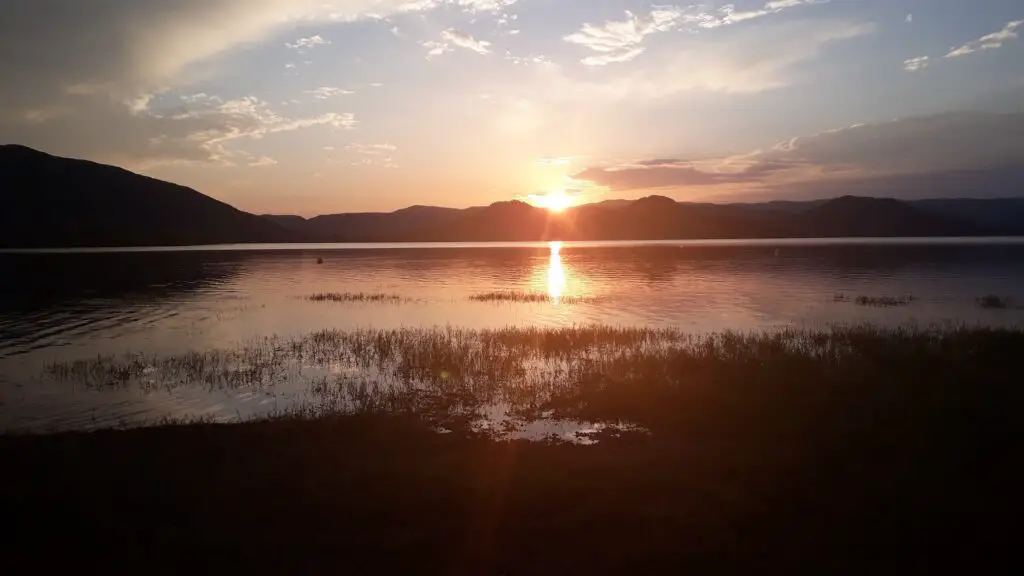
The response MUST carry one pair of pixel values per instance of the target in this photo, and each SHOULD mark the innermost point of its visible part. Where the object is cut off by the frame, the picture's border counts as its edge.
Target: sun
(554, 201)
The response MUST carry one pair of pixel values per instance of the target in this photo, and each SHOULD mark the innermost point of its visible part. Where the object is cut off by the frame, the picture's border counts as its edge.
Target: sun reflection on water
(556, 272)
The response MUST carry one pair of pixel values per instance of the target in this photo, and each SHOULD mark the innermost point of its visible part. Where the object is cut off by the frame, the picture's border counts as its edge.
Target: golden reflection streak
(556, 272)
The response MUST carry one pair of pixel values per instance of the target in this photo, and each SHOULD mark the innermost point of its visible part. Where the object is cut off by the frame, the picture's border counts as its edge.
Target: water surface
(62, 306)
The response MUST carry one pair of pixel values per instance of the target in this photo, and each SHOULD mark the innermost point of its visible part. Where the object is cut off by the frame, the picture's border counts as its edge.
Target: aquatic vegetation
(530, 297)
(994, 302)
(884, 301)
(453, 377)
(344, 297)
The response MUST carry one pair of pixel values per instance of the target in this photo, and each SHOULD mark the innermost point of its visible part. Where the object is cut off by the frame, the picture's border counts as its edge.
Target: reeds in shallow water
(994, 302)
(344, 297)
(884, 301)
(592, 373)
(530, 297)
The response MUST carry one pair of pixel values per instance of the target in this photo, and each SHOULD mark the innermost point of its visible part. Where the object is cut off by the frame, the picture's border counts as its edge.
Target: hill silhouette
(50, 201)
(54, 202)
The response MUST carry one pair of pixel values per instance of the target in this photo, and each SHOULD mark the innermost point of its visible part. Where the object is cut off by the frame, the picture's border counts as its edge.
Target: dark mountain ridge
(58, 202)
(50, 201)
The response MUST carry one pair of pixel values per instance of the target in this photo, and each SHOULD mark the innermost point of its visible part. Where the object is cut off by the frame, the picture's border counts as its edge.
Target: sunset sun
(555, 201)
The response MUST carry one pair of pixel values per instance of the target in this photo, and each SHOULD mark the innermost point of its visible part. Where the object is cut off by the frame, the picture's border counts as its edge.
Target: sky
(317, 106)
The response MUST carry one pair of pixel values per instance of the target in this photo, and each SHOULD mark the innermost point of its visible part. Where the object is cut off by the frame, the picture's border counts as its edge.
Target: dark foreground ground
(894, 458)
(361, 497)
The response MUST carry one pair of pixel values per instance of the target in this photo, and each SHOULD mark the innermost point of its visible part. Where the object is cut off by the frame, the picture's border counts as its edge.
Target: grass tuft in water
(994, 302)
(883, 301)
(344, 297)
(529, 297)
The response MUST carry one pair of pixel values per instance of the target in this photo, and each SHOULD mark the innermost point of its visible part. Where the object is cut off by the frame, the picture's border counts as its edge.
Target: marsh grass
(530, 297)
(876, 301)
(453, 377)
(995, 302)
(884, 301)
(357, 297)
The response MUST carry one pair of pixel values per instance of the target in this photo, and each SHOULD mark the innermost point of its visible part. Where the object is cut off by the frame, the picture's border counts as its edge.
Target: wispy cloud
(621, 40)
(206, 126)
(325, 92)
(484, 5)
(916, 64)
(456, 38)
(523, 60)
(556, 160)
(738, 64)
(435, 48)
(262, 161)
(732, 16)
(988, 41)
(306, 44)
(463, 40)
(371, 149)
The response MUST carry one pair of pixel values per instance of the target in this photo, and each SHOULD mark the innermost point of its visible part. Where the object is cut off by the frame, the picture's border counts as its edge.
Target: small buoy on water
(319, 260)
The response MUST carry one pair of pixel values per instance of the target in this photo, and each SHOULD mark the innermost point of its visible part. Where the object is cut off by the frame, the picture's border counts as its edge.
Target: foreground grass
(854, 450)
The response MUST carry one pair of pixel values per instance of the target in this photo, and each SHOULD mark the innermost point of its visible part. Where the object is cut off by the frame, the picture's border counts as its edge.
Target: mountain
(852, 216)
(999, 216)
(51, 201)
(661, 218)
(55, 202)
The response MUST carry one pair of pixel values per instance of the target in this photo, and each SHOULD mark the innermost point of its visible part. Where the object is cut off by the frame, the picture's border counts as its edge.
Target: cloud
(619, 40)
(485, 5)
(738, 64)
(915, 64)
(306, 44)
(370, 149)
(898, 158)
(556, 160)
(200, 129)
(88, 88)
(262, 161)
(909, 19)
(988, 41)
(435, 48)
(326, 92)
(466, 41)
(642, 177)
(731, 16)
(525, 60)
(452, 37)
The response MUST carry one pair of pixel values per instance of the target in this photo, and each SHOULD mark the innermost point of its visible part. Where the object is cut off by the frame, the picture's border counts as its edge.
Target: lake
(67, 306)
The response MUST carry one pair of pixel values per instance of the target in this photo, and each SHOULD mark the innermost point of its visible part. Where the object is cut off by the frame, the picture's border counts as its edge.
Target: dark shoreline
(379, 495)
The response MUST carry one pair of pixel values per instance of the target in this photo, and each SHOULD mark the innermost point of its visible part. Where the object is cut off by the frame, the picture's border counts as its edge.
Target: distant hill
(852, 216)
(661, 218)
(49, 201)
(999, 216)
